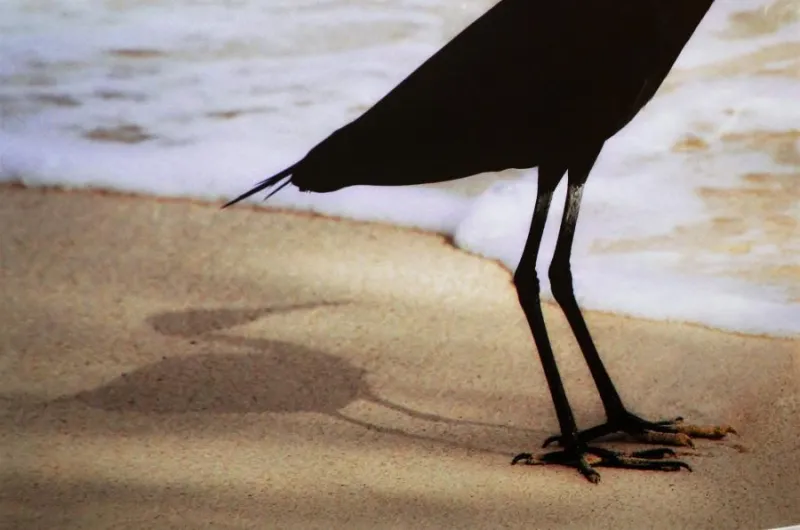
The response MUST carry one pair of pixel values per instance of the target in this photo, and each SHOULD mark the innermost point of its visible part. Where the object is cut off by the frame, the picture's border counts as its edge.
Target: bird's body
(492, 100)
(530, 83)
(520, 84)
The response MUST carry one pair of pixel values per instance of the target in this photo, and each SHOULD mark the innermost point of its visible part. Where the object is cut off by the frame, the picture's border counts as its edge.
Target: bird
(529, 84)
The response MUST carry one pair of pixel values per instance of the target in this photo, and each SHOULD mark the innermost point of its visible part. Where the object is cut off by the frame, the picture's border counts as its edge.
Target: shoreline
(263, 210)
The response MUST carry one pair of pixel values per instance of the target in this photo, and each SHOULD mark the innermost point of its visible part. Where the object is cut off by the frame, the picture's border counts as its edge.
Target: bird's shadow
(260, 376)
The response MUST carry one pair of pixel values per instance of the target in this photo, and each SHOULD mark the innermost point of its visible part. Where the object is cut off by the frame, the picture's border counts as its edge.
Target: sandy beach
(167, 365)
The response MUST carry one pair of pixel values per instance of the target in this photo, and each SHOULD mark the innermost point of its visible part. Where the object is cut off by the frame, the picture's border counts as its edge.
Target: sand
(167, 365)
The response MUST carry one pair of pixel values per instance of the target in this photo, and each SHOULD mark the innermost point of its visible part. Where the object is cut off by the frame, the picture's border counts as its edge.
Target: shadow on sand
(262, 376)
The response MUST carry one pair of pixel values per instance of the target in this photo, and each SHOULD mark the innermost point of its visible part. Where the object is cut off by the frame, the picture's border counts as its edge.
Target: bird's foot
(669, 432)
(585, 459)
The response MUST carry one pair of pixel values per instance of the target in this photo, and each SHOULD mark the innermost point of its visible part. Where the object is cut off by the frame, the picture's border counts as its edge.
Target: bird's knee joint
(527, 287)
(560, 282)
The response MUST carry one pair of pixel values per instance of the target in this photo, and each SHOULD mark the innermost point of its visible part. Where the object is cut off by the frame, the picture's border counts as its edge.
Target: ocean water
(202, 98)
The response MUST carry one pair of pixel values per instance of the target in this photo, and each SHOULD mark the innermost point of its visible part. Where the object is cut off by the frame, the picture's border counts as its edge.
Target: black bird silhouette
(530, 83)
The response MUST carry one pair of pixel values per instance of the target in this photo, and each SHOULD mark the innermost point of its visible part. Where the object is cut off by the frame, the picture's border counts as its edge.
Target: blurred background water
(202, 98)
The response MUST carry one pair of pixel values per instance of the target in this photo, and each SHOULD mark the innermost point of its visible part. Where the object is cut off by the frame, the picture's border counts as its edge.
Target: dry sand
(167, 365)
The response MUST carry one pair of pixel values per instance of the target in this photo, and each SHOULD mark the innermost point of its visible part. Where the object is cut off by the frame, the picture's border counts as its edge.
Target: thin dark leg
(561, 285)
(619, 419)
(527, 284)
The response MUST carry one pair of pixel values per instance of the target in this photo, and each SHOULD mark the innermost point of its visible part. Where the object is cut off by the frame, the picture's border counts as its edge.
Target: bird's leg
(671, 432)
(575, 453)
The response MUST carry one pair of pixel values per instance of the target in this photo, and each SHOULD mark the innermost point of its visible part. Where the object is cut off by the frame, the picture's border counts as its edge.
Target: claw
(675, 421)
(550, 440)
(713, 432)
(525, 458)
(655, 453)
(587, 471)
(665, 438)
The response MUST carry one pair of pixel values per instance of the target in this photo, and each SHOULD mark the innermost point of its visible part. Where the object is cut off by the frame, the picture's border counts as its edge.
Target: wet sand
(167, 365)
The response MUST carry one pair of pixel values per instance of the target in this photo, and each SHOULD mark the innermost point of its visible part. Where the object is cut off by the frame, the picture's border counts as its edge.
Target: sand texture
(167, 365)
